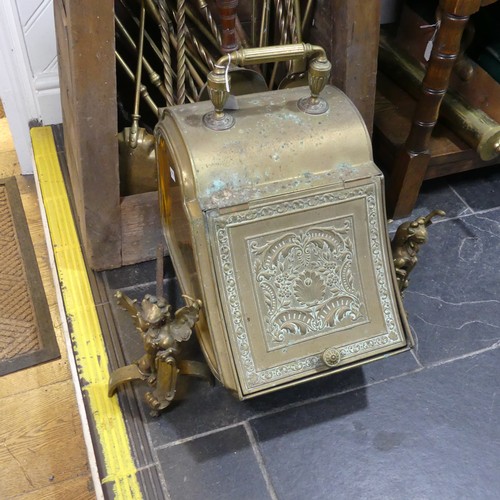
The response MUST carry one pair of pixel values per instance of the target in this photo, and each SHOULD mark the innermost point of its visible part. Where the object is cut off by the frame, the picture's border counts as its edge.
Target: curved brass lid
(273, 148)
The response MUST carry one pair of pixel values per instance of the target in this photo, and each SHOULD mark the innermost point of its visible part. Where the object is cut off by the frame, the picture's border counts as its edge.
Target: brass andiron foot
(409, 237)
(161, 332)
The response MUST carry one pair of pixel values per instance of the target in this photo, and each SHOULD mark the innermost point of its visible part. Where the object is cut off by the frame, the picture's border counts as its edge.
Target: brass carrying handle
(219, 79)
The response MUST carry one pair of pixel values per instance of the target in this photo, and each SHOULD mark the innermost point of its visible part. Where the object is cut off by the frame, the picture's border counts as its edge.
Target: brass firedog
(409, 237)
(162, 332)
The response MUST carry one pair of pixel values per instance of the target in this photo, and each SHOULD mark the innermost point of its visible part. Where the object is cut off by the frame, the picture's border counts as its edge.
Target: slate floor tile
(435, 194)
(432, 434)
(144, 272)
(480, 189)
(220, 466)
(203, 408)
(206, 408)
(454, 293)
(330, 385)
(137, 274)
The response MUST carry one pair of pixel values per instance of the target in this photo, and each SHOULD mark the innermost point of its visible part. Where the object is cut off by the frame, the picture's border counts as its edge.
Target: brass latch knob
(332, 357)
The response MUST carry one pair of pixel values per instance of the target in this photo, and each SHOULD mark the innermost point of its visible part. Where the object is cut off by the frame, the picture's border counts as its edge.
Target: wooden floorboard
(42, 451)
(78, 488)
(40, 439)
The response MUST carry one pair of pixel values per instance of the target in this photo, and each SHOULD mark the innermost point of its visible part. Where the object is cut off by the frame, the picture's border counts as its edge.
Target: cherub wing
(125, 302)
(185, 318)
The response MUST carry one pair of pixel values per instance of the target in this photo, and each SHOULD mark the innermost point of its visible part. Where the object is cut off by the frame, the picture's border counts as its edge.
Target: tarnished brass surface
(278, 224)
(162, 332)
(124, 374)
(137, 165)
(409, 237)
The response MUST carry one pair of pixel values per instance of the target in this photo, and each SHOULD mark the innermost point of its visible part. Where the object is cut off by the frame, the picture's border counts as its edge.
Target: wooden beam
(86, 43)
(349, 32)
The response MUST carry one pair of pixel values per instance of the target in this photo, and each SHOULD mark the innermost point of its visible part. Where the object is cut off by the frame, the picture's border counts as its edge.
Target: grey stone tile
(220, 466)
(435, 194)
(480, 189)
(454, 293)
(128, 276)
(198, 408)
(330, 385)
(137, 274)
(389, 367)
(203, 408)
(432, 434)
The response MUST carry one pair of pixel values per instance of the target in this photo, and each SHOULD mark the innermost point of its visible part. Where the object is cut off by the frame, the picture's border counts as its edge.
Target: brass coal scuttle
(274, 217)
(278, 224)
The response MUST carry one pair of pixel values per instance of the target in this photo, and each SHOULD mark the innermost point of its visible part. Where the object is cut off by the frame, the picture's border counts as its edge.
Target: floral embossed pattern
(307, 282)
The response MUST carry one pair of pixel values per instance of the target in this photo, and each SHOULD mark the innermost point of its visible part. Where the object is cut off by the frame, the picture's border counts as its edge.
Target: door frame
(16, 84)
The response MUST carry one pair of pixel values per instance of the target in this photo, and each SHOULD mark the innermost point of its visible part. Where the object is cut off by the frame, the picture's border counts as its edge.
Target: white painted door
(29, 81)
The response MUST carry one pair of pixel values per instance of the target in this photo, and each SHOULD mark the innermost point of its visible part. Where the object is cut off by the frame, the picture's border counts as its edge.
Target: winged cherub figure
(409, 237)
(162, 332)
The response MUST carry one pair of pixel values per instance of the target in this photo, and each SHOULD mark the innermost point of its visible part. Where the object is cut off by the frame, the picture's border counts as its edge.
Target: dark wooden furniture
(418, 156)
(118, 231)
(349, 32)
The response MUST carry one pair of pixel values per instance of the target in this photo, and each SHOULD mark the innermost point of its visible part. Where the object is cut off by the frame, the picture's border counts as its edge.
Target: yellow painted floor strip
(86, 335)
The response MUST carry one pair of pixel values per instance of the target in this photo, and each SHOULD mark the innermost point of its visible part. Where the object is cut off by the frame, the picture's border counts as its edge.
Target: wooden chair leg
(411, 163)
(404, 184)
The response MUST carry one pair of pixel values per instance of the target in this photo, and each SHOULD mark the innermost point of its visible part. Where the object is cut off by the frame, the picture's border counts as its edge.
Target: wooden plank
(349, 32)
(448, 168)
(9, 164)
(6, 141)
(18, 383)
(42, 441)
(85, 36)
(141, 228)
(79, 488)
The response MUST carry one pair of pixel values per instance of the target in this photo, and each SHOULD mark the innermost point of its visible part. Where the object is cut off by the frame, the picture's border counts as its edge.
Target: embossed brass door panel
(303, 280)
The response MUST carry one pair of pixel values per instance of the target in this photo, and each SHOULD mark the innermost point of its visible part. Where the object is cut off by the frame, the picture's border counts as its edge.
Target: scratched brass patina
(277, 222)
